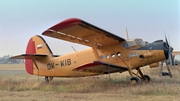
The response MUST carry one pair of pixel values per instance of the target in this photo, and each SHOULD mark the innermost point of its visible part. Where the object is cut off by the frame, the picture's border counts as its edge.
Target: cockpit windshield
(140, 42)
(131, 43)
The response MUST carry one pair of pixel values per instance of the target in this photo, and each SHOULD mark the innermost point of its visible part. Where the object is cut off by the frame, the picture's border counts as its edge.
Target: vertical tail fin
(37, 50)
(36, 45)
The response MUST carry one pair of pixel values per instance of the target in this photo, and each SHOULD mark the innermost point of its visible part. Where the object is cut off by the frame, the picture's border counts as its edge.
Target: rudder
(36, 45)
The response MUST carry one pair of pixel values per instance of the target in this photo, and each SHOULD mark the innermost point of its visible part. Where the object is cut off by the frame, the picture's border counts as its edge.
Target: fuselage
(127, 54)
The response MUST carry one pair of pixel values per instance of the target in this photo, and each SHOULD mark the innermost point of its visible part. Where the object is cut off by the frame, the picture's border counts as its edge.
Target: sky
(145, 19)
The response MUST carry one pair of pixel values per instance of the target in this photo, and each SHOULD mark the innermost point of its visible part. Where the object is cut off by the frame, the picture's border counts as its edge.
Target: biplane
(107, 53)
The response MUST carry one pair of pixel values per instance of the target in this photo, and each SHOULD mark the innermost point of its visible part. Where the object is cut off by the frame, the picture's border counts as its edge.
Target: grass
(12, 67)
(17, 87)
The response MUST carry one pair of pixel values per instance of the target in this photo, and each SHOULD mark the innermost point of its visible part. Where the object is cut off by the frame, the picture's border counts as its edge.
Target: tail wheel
(147, 78)
(50, 78)
(46, 79)
(134, 80)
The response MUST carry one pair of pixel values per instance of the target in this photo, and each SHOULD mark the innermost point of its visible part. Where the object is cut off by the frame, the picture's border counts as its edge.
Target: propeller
(168, 54)
(170, 49)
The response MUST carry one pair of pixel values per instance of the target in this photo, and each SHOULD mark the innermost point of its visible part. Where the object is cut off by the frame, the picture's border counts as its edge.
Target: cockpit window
(129, 44)
(132, 43)
(124, 45)
(140, 42)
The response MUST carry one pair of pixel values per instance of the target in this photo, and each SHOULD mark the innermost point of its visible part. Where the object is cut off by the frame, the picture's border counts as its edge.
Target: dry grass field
(17, 85)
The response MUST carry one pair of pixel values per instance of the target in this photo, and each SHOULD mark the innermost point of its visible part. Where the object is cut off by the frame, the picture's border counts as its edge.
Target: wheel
(147, 78)
(50, 78)
(134, 80)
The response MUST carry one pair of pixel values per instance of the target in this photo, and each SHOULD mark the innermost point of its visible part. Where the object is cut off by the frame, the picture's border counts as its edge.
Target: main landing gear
(48, 79)
(139, 75)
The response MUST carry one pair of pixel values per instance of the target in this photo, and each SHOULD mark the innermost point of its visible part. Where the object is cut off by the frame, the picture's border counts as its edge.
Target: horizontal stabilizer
(29, 56)
(100, 67)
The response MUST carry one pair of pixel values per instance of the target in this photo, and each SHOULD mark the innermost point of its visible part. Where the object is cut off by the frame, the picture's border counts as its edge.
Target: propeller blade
(167, 41)
(170, 49)
(170, 58)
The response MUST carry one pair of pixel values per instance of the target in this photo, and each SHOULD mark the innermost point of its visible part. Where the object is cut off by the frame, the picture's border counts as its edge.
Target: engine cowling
(177, 59)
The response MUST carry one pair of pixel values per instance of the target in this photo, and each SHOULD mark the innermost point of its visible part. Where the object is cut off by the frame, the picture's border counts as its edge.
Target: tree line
(5, 60)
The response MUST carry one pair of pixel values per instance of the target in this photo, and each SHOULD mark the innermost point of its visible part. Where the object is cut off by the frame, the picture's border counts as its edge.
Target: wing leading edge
(78, 31)
(100, 67)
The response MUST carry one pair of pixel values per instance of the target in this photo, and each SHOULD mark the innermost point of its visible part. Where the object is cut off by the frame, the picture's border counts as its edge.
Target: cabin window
(112, 55)
(107, 56)
(118, 53)
(101, 57)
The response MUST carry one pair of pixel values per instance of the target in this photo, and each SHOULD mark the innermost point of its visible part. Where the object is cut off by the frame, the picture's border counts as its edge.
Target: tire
(147, 78)
(134, 81)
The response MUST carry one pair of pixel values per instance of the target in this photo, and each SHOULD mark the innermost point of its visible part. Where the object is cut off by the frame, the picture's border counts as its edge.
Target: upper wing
(100, 67)
(78, 31)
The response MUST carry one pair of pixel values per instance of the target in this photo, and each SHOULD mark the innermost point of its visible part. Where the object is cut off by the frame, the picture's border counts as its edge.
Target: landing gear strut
(139, 75)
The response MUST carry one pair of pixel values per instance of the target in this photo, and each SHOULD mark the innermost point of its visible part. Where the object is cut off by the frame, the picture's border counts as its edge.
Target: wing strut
(96, 53)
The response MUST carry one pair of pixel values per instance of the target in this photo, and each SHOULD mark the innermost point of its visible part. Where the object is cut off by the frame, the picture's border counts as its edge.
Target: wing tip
(61, 25)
